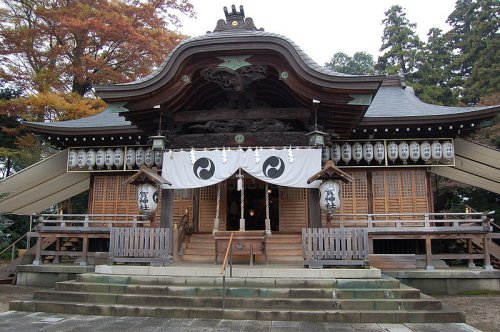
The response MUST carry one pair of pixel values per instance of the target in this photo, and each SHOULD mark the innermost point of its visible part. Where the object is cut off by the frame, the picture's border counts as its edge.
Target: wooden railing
(180, 231)
(467, 226)
(79, 226)
(417, 222)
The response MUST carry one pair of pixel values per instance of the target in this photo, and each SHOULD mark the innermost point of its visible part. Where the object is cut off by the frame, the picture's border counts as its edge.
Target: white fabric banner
(284, 167)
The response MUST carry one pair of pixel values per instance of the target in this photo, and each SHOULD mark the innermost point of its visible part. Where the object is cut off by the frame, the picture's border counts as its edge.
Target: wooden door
(293, 209)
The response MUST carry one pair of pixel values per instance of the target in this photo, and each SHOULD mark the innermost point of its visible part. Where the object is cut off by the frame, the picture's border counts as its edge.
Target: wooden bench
(244, 243)
(140, 245)
(335, 247)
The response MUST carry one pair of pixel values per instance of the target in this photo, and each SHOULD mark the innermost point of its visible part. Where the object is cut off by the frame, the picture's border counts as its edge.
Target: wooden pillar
(38, 256)
(314, 211)
(58, 250)
(85, 250)
(196, 210)
(470, 252)
(428, 253)
(167, 203)
(486, 246)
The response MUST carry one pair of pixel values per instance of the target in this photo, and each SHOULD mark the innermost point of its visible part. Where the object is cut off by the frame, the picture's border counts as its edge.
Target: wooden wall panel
(293, 209)
(111, 196)
(207, 209)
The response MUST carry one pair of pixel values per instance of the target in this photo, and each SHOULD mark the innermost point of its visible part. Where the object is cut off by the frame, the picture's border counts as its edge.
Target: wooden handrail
(14, 243)
(224, 263)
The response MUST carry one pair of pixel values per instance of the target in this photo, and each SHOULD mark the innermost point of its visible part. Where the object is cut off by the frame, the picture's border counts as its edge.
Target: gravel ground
(481, 311)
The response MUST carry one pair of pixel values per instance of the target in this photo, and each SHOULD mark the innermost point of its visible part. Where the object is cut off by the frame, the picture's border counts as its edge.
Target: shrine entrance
(254, 205)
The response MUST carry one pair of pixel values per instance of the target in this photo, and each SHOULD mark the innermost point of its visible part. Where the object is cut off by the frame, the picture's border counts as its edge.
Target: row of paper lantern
(117, 158)
(368, 152)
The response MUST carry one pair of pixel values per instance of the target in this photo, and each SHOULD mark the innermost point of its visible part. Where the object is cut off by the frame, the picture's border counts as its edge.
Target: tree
(361, 63)
(400, 44)
(433, 81)
(61, 45)
(475, 39)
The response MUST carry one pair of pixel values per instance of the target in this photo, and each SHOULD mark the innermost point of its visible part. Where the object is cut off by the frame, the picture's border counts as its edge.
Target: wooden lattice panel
(293, 209)
(183, 201)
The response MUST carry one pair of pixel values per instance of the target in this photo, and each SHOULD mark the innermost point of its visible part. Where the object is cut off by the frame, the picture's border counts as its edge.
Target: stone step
(238, 298)
(322, 315)
(377, 293)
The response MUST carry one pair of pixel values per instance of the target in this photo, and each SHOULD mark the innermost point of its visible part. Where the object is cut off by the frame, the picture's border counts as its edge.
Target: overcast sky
(324, 27)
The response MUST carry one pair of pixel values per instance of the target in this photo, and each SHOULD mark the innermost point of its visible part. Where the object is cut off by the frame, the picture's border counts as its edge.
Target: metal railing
(229, 254)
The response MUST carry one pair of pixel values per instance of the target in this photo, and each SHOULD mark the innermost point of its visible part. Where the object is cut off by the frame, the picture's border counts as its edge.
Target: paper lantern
(335, 153)
(329, 195)
(379, 152)
(109, 158)
(425, 151)
(448, 151)
(346, 153)
(139, 157)
(130, 158)
(147, 198)
(72, 157)
(414, 151)
(149, 158)
(325, 154)
(158, 158)
(357, 152)
(404, 152)
(392, 151)
(118, 159)
(368, 152)
(436, 151)
(90, 159)
(81, 158)
(99, 158)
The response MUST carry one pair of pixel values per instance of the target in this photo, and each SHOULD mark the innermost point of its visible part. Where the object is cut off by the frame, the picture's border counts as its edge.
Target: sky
(323, 27)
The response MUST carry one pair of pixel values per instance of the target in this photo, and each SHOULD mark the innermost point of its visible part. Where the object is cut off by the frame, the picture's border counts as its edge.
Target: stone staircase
(381, 300)
(281, 248)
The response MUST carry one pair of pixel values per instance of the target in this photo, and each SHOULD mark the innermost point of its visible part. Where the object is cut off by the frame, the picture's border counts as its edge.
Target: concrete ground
(16, 321)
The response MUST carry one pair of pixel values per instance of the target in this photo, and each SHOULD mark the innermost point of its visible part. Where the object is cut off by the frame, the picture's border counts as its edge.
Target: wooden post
(470, 252)
(38, 256)
(175, 242)
(313, 209)
(58, 250)
(85, 249)
(428, 253)
(486, 246)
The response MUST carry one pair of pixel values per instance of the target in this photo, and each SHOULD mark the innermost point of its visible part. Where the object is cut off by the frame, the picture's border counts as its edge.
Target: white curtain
(285, 167)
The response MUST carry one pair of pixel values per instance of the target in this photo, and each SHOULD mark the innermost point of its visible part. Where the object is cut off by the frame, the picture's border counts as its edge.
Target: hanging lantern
(139, 157)
(72, 158)
(109, 158)
(368, 152)
(159, 158)
(147, 198)
(379, 151)
(329, 195)
(91, 159)
(436, 151)
(357, 152)
(99, 158)
(425, 151)
(404, 152)
(335, 153)
(149, 158)
(346, 153)
(414, 151)
(130, 158)
(118, 160)
(325, 154)
(392, 151)
(81, 158)
(448, 151)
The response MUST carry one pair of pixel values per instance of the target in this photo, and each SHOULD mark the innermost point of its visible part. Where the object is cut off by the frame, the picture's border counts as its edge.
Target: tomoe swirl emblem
(204, 168)
(273, 167)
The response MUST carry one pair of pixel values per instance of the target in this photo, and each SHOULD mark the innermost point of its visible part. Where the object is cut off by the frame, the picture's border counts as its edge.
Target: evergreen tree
(476, 41)
(400, 44)
(361, 63)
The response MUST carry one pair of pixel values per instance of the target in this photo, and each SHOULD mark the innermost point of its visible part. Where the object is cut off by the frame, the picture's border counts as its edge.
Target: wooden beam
(249, 114)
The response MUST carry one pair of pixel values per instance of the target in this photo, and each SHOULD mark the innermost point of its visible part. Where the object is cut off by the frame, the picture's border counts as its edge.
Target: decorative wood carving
(238, 125)
(234, 80)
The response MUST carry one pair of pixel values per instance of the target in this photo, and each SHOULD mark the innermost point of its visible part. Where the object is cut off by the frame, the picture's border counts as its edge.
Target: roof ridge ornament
(235, 20)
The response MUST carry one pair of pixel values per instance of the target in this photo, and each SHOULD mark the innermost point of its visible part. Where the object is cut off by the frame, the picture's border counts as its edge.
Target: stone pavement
(19, 321)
